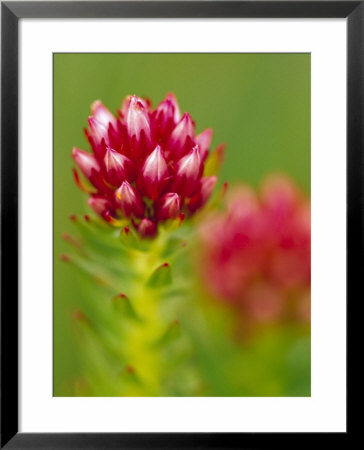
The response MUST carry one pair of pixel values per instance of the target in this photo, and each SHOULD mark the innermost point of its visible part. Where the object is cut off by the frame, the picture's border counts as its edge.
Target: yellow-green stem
(143, 355)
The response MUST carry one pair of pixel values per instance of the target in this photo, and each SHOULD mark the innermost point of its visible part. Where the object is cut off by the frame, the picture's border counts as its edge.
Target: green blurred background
(259, 104)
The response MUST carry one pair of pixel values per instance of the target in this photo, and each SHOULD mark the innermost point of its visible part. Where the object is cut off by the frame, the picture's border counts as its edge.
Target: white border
(326, 409)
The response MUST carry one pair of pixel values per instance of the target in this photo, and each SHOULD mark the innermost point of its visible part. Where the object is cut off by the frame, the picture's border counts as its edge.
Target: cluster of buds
(147, 165)
(257, 255)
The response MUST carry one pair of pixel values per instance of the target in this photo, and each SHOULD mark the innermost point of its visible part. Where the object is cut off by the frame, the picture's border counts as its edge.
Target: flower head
(146, 165)
(256, 255)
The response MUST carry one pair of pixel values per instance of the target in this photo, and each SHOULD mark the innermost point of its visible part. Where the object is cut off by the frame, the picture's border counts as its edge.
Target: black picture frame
(11, 12)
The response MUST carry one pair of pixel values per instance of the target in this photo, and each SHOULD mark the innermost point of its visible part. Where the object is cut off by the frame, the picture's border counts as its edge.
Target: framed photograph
(181, 211)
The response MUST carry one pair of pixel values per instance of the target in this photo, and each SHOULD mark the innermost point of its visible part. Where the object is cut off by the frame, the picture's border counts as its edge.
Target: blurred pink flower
(146, 165)
(256, 256)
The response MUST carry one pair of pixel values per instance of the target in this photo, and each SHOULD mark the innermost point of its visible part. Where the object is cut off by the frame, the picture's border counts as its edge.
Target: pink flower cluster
(147, 165)
(257, 255)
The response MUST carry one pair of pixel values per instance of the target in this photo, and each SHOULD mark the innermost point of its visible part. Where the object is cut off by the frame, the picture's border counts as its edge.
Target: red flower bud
(207, 185)
(165, 117)
(138, 124)
(102, 115)
(181, 139)
(154, 174)
(118, 167)
(129, 200)
(147, 228)
(97, 135)
(100, 205)
(88, 165)
(176, 112)
(203, 140)
(168, 206)
(188, 171)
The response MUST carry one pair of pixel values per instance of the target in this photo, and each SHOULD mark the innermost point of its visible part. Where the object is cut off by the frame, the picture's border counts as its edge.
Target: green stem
(143, 354)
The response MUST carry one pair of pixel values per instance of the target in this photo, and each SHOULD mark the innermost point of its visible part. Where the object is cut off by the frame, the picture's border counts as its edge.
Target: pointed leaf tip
(126, 234)
(224, 188)
(129, 239)
(78, 315)
(176, 223)
(122, 304)
(130, 375)
(215, 161)
(172, 333)
(161, 277)
(130, 369)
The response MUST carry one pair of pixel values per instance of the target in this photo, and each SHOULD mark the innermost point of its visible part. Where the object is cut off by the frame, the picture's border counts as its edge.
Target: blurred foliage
(259, 104)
